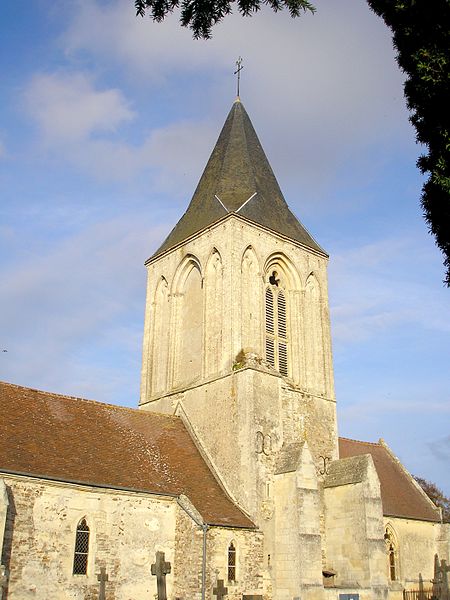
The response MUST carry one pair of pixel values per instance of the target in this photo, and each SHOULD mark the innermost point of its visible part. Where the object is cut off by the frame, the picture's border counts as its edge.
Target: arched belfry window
(392, 554)
(276, 324)
(231, 562)
(80, 558)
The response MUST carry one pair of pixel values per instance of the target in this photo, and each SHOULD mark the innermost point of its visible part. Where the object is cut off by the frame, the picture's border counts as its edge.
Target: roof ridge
(252, 166)
(89, 400)
(341, 437)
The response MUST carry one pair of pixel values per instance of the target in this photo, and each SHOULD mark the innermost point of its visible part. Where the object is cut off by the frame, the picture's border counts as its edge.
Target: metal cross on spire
(238, 73)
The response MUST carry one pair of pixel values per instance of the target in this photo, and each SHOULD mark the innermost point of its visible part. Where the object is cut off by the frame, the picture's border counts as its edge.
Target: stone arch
(213, 340)
(278, 261)
(314, 335)
(160, 337)
(251, 301)
(312, 274)
(187, 323)
(182, 272)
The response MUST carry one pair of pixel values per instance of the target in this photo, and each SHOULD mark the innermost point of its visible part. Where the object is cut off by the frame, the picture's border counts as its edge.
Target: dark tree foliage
(437, 496)
(421, 35)
(201, 15)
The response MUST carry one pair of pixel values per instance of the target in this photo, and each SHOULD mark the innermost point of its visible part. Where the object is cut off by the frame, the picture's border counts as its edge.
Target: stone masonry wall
(417, 542)
(125, 531)
(354, 531)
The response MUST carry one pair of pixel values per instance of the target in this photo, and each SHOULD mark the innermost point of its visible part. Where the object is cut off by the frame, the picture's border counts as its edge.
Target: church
(229, 479)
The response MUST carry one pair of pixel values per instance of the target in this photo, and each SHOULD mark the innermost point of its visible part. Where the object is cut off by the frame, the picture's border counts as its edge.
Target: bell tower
(237, 342)
(237, 334)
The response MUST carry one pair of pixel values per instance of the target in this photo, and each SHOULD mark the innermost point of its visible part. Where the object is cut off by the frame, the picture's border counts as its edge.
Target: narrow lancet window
(276, 325)
(392, 572)
(231, 562)
(80, 559)
(391, 549)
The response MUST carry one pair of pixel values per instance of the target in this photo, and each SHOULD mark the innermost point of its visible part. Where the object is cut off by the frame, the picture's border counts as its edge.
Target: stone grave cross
(102, 578)
(441, 571)
(161, 568)
(220, 590)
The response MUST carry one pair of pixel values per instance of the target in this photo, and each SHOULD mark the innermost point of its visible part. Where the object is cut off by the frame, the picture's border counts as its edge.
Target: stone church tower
(237, 342)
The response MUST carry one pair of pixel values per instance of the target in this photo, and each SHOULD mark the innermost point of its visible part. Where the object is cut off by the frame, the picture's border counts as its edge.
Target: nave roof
(80, 441)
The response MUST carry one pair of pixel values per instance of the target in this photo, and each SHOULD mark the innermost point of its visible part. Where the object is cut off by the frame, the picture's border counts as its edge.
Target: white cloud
(67, 107)
(342, 53)
(441, 449)
(374, 407)
(77, 122)
(140, 46)
(323, 88)
(65, 308)
(374, 288)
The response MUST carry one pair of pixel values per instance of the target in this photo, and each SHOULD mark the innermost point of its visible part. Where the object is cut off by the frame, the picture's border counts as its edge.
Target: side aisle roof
(82, 441)
(400, 495)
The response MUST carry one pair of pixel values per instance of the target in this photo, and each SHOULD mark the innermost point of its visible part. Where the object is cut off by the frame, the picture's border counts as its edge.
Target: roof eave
(117, 488)
(197, 234)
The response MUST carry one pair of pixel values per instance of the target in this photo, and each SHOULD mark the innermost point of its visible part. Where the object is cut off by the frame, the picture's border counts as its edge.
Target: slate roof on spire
(237, 168)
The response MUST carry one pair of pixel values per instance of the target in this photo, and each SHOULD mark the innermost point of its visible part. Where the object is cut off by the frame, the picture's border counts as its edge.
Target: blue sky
(106, 124)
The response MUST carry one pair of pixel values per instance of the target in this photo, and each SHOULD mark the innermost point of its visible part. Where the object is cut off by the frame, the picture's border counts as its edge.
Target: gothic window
(391, 549)
(214, 314)
(251, 299)
(160, 348)
(314, 339)
(231, 562)
(188, 323)
(80, 559)
(276, 325)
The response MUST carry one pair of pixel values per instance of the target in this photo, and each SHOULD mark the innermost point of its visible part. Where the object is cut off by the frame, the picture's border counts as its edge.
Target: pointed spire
(238, 179)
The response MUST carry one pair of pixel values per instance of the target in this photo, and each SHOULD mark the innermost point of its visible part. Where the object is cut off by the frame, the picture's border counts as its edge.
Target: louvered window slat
(269, 311)
(282, 358)
(281, 306)
(270, 351)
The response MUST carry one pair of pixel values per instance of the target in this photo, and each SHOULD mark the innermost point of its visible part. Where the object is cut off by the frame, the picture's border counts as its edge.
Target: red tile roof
(400, 495)
(76, 440)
